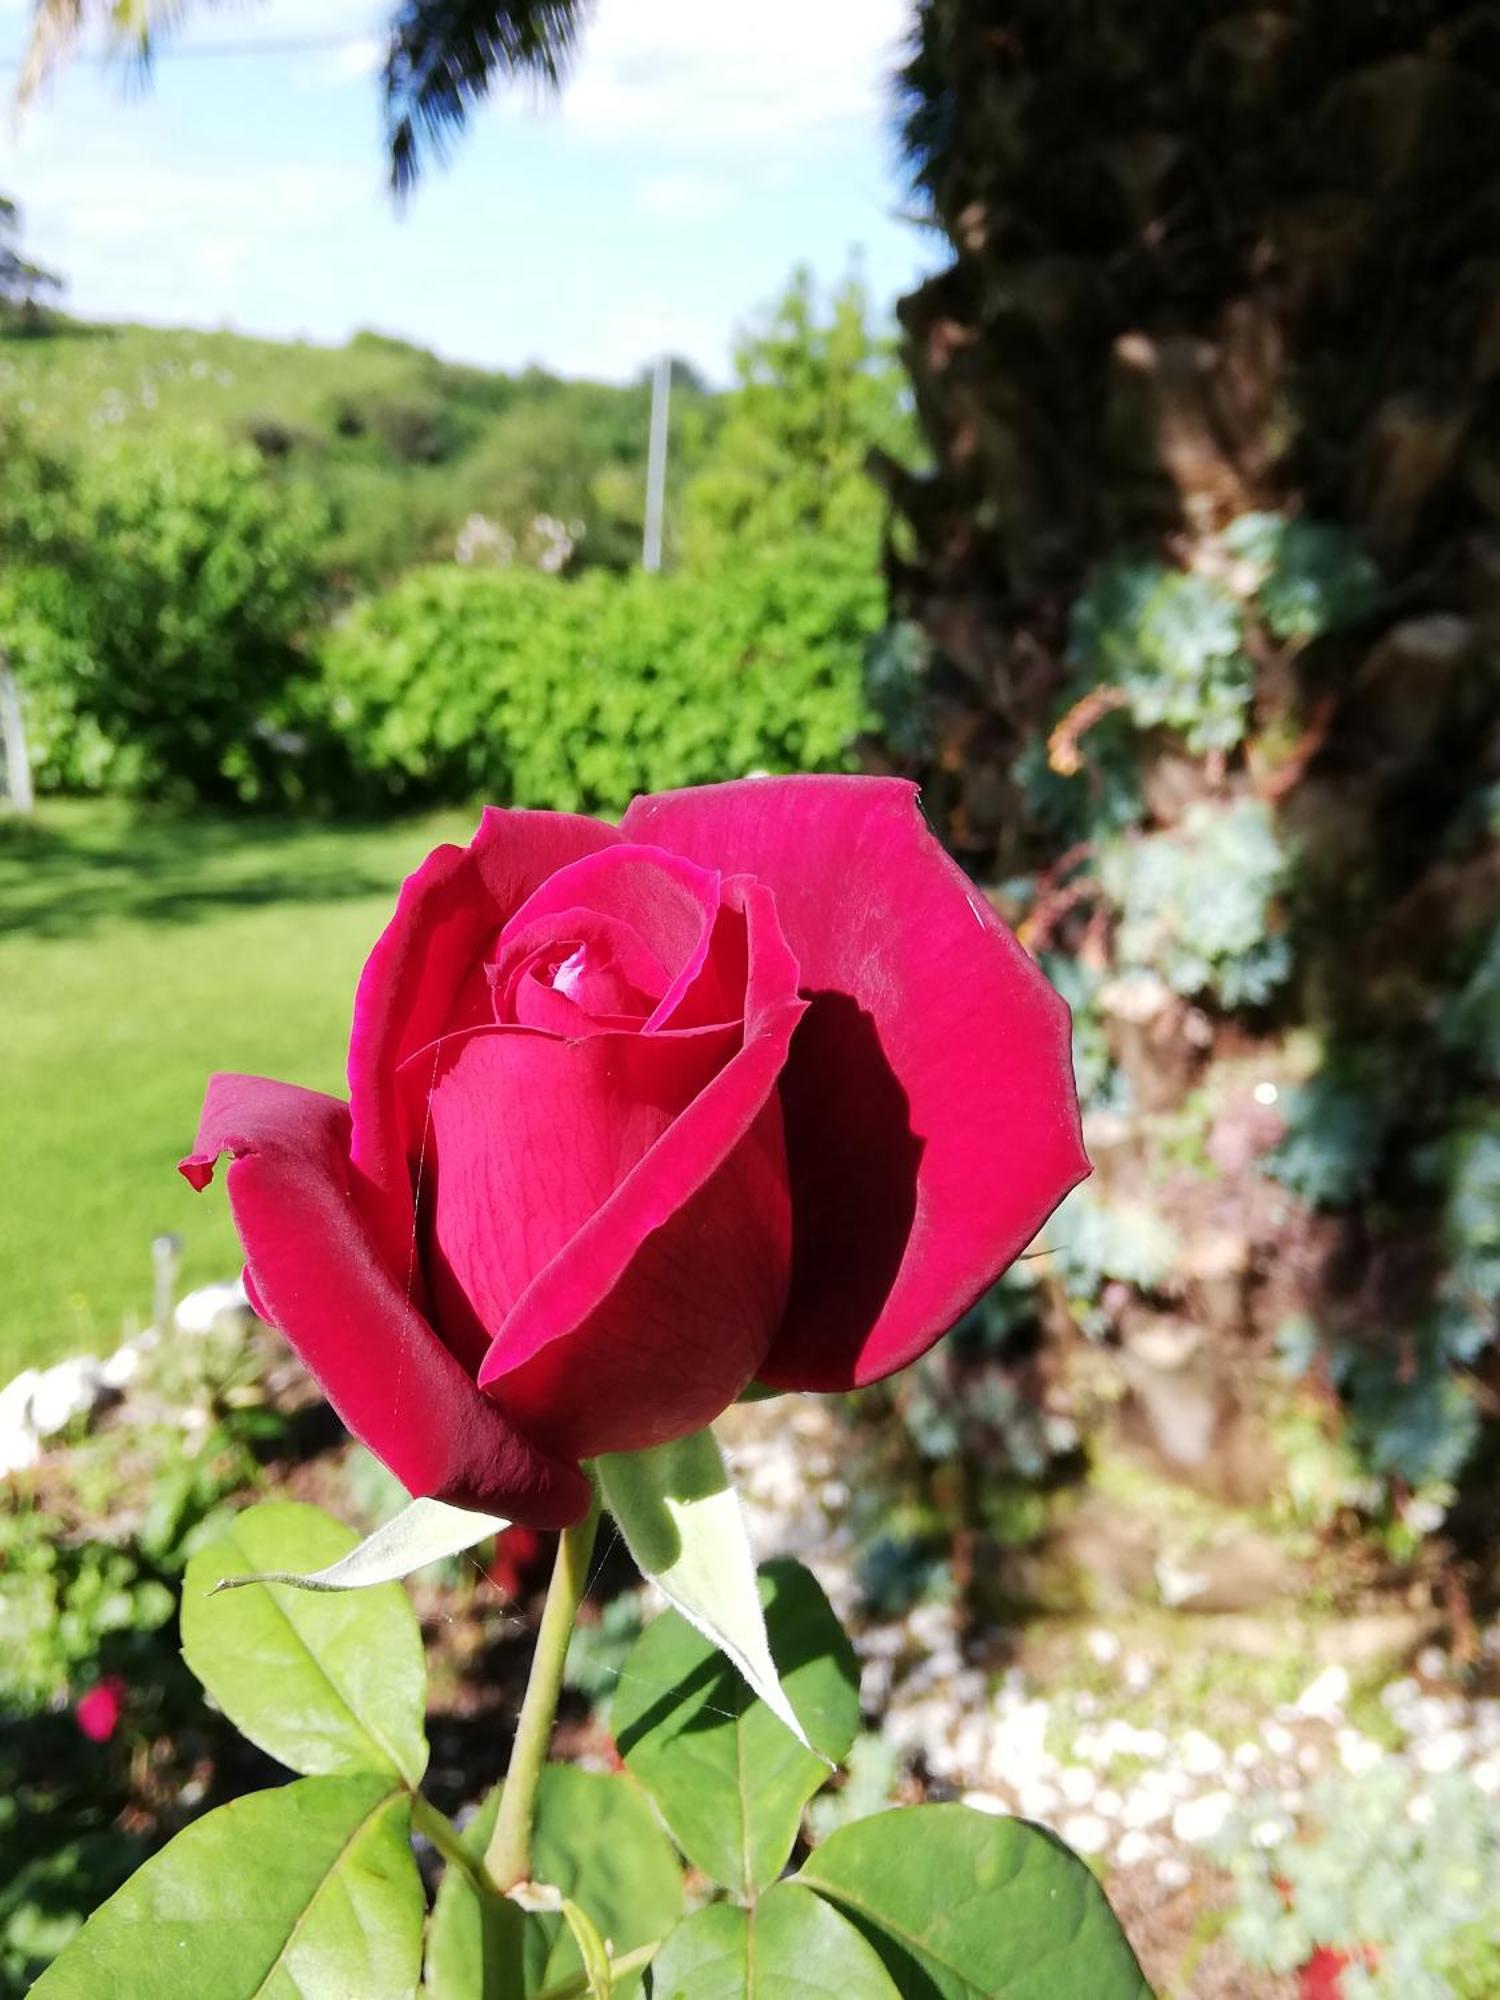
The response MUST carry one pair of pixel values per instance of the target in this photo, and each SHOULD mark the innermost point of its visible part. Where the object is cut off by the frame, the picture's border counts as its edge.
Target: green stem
(445, 1837)
(507, 1859)
(577, 1987)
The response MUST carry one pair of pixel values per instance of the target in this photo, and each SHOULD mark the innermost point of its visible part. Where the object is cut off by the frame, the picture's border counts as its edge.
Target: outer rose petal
(931, 1117)
(425, 978)
(322, 1280)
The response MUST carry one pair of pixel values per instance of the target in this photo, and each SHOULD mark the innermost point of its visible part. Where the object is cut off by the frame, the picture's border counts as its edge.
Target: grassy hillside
(403, 446)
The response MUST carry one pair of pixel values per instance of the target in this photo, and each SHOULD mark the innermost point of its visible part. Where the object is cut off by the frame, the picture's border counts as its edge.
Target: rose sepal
(425, 1531)
(681, 1517)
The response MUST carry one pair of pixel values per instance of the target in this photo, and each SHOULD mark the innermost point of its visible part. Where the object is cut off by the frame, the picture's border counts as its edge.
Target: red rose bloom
(755, 1086)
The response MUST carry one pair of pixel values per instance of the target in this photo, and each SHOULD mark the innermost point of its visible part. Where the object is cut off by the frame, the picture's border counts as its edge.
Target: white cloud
(619, 343)
(784, 73)
(355, 61)
(685, 195)
(139, 236)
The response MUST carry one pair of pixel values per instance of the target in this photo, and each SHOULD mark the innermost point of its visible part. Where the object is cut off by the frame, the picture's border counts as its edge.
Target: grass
(138, 952)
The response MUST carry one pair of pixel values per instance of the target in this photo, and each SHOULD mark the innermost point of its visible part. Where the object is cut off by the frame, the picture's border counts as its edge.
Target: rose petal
(931, 1117)
(527, 1135)
(425, 978)
(689, 1318)
(663, 1294)
(715, 989)
(664, 902)
(566, 970)
(318, 1276)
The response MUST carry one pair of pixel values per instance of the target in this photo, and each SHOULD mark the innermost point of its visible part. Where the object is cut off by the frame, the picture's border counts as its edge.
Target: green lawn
(138, 952)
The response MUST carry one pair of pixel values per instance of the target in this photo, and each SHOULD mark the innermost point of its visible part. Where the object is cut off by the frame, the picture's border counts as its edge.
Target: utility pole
(656, 464)
(15, 765)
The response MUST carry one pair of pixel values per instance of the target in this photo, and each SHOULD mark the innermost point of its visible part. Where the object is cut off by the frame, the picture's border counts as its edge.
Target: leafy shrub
(1196, 903)
(1099, 799)
(1314, 576)
(1471, 1213)
(421, 429)
(155, 629)
(1471, 1015)
(527, 691)
(1331, 1147)
(63, 1600)
(1398, 1875)
(1093, 1241)
(1172, 642)
(1410, 1417)
(818, 387)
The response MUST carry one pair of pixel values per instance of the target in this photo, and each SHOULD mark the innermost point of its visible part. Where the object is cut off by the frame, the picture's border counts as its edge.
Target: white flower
(1201, 1819)
(1085, 1833)
(1323, 1699)
(1201, 1755)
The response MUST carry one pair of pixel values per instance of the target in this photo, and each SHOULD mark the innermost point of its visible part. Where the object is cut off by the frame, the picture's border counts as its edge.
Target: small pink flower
(1322, 1977)
(98, 1712)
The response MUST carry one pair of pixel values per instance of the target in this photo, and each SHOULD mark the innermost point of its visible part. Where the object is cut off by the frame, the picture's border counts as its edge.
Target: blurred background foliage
(218, 576)
(1184, 491)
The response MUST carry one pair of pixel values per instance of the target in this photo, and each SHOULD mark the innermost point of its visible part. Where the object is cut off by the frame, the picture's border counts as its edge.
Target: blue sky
(701, 150)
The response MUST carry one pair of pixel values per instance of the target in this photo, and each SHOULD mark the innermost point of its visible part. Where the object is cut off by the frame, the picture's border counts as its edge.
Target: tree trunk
(1209, 570)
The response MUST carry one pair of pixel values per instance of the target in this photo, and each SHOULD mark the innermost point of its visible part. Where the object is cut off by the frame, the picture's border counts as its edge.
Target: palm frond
(131, 29)
(444, 55)
(56, 27)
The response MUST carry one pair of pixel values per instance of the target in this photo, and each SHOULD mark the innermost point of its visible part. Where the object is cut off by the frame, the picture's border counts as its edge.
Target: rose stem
(507, 1859)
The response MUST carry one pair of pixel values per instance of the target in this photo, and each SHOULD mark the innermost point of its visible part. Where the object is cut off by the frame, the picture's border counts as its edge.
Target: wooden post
(14, 762)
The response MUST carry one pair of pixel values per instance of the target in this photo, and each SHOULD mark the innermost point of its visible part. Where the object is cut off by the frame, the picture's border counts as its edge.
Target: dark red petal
(662, 1293)
(526, 1136)
(564, 970)
(695, 1299)
(425, 978)
(665, 902)
(318, 1276)
(715, 990)
(931, 1117)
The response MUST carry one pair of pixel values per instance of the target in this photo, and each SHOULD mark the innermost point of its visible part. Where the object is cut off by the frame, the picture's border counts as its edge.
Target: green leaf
(325, 1683)
(730, 1780)
(424, 1532)
(791, 1946)
(682, 1521)
(963, 1905)
(310, 1888)
(476, 1941)
(598, 1842)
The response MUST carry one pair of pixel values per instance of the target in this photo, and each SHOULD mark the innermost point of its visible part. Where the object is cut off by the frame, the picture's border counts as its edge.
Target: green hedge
(524, 690)
(153, 612)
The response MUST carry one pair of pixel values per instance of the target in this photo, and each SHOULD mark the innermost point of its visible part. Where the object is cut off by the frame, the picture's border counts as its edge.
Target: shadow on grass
(61, 879)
